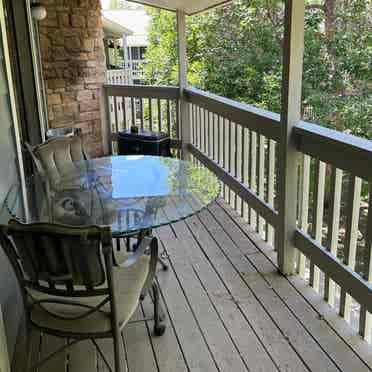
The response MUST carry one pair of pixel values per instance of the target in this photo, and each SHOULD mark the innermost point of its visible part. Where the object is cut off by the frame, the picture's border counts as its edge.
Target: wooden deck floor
(227, 310)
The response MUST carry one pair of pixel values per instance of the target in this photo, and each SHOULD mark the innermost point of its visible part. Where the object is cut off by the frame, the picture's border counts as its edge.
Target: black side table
(143, 143)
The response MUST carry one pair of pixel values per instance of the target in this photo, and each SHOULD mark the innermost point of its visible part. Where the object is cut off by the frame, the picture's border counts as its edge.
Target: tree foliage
(121, 4)
(235, 51)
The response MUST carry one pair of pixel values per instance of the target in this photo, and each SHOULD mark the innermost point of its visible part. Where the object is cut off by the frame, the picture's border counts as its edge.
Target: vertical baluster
(242, 164)
(198, 109)
(133, 110)
(365, 318)
(177, 124)
(333, 229)
(111, 112)
(249, 166)
(213, 138)
(246, 169)
(197, 126)
(120, 113)
(233, 162)
(116, 114)
(237, 164)
(304, 207)
(150, 114)
(229, 158)
(142, 114)
(318, 211)
(270, 188)
(194, 108)
(219, 147)
(124, 109)
(209, 133)
(200, 117)
(205, 131)
(261, 180)
(351, 237)
(225, 147)
(253, 183)
(195, 121)
(169, 118)
(159, 115)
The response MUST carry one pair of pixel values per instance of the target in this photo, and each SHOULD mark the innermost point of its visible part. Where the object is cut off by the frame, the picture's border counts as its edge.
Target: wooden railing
(336, 172)
(239, 143)
(149, 108)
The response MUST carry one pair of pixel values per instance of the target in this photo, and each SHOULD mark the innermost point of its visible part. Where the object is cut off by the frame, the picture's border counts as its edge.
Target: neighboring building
(115, 36)
(135, 44)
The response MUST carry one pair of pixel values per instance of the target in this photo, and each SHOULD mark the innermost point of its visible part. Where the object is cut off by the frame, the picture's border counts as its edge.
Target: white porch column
(185, 125)
(127, 75)
(290, 115)
(125, 51)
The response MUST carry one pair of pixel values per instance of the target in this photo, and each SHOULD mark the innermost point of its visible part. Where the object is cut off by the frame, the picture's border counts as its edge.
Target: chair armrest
(147, 242)
(140, 251)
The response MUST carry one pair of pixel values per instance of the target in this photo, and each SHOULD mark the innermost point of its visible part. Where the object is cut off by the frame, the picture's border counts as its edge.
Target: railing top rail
(261, 121)
(142, 91)
(345, 151)
(342, 150)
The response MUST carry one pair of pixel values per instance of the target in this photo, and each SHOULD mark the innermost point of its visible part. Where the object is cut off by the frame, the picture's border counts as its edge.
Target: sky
(105, 4)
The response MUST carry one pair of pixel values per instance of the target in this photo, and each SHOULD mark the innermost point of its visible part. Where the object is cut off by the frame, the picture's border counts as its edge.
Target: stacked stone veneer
(74, 69)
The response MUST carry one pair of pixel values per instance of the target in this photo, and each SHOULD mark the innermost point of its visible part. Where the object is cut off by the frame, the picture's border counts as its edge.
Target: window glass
(135, 53)
(8, 153)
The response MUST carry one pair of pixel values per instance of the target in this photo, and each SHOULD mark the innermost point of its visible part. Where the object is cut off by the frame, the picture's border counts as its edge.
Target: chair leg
(118, 348)
(118, 244)
(100, 352)
(160, 307)
(159, 328)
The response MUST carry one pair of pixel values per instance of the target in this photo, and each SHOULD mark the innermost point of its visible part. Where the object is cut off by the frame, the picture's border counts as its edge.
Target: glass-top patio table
(131, 194)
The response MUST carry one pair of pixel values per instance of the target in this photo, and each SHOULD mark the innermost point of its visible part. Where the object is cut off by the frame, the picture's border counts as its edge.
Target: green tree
(235, 51)
(119, 4)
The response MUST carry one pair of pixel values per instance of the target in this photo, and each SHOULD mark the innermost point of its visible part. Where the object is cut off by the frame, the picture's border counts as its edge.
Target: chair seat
(128, 283)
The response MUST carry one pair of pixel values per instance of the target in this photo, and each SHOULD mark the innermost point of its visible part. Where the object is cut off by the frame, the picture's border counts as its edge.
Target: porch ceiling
(113, 29)
(189, 7)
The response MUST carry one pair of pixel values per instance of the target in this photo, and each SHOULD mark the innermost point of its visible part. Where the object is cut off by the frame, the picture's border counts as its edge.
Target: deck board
(309, 304)
(227, 309)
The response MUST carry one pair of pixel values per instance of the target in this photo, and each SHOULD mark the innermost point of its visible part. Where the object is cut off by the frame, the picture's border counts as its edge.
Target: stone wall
(74, 68)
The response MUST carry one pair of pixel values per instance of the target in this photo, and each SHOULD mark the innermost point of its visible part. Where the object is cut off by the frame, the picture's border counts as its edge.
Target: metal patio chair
(62, 132)
(72, 286)
(58, 156)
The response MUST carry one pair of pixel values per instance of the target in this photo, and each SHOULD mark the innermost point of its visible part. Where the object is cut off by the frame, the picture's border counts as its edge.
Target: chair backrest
(58, 259)
(59, 156)
(62, 132)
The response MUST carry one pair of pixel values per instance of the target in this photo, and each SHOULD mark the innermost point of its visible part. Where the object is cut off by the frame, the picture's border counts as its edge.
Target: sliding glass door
(11, 172)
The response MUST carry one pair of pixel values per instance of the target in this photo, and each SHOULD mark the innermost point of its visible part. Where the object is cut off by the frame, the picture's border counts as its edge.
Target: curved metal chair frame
(58, 143)
(62, 132)
(87, 272)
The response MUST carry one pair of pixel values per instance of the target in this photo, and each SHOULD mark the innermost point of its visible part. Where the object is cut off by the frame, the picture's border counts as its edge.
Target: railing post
(185, 124)
(105, 122)
(290, 115)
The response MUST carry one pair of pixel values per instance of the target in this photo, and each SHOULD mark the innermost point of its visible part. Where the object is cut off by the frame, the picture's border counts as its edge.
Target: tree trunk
(330, 18)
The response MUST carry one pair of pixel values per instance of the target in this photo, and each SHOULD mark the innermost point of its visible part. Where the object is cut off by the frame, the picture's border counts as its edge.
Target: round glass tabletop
(129, 193)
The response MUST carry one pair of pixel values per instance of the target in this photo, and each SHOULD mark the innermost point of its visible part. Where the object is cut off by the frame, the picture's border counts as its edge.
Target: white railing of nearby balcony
(137, 68)
(122, 76)
(239, 144)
